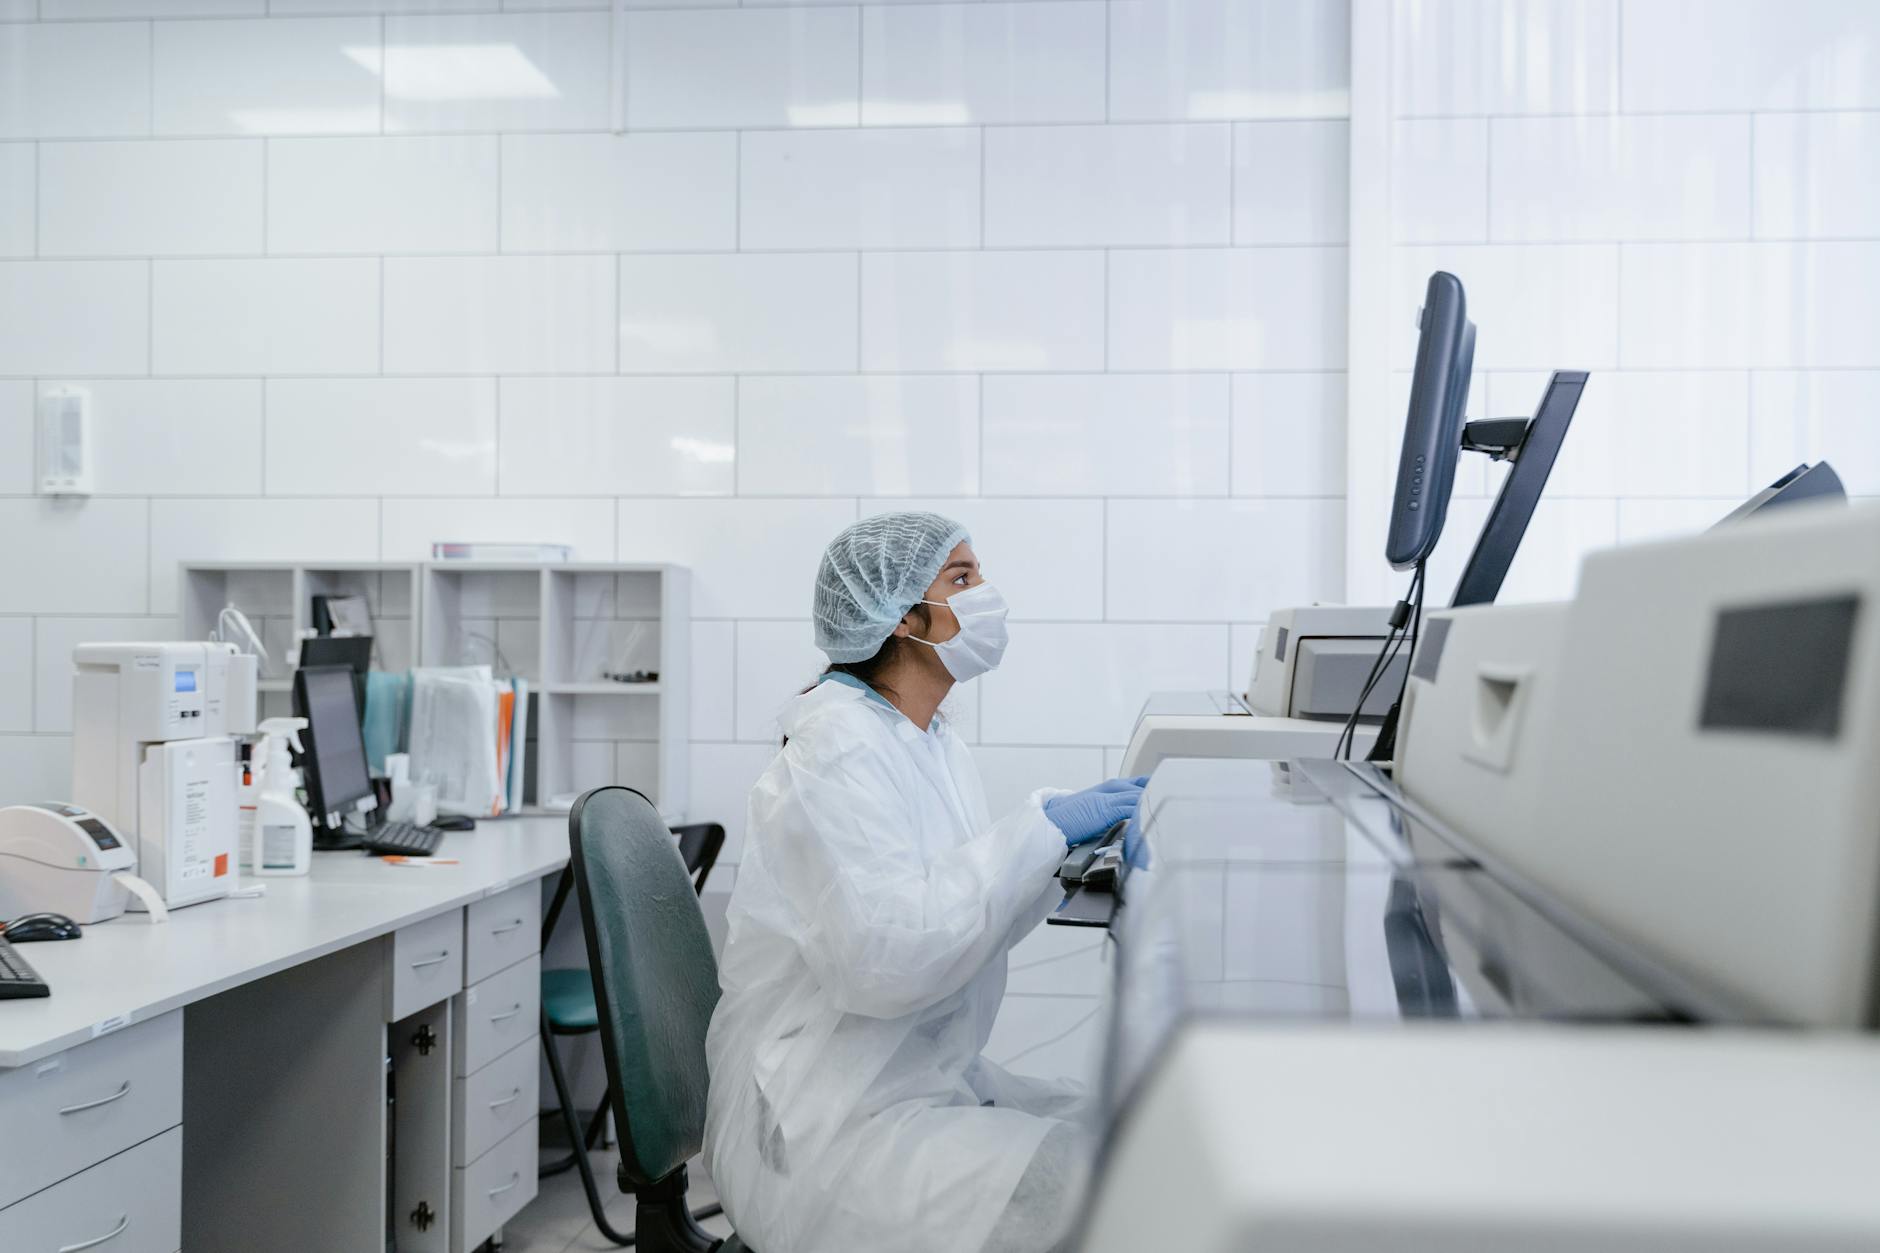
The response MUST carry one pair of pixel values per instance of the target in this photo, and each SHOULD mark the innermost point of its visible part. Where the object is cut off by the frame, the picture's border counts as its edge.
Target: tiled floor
(557, 1221)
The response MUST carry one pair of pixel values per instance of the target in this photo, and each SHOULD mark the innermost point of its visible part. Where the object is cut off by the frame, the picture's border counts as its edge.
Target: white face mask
(981, 639)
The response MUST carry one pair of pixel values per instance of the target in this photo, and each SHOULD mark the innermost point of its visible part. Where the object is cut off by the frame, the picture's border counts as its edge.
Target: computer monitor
(1508, 520)
(1432, 436)
(351, 651)
(1803, 483)
(335, 758)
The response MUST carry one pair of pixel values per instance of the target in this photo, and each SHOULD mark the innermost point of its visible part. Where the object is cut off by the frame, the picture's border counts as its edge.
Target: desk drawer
(494, 1016)
(427, 964)
(501, 930)
(132, 1203)
(493, 1189)
(495, 1101)
(61, 1114)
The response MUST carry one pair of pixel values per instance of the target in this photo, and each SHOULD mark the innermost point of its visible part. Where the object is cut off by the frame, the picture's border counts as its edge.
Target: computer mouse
(29, 928)
(454, 822)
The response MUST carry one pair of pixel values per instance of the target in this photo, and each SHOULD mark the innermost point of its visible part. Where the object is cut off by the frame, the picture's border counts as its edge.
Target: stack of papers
(468, 736)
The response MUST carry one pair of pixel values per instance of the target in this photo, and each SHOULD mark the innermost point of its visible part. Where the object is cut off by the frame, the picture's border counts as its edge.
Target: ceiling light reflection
(705, 451)
(458, 72)
(305, 121)
(918, 113)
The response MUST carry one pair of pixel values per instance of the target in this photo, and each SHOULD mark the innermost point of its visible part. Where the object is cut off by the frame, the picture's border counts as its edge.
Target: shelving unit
(559, 626)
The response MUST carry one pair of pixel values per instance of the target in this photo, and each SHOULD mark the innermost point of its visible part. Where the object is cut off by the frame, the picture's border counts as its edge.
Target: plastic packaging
(283, 834)
(411, 802)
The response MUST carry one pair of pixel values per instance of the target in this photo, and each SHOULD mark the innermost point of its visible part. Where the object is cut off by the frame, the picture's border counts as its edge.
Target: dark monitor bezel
(1500, 539)
(352, 651)
(1432, 437)
(1802, 484)
(319, 804)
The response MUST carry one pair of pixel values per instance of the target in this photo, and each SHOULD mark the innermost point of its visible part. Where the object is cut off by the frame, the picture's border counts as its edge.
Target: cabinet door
(501, 930)
(63, 1113)
(495, 1101)
(132, 1203)
(493, 1189)
(497, 1014)
(427, 964)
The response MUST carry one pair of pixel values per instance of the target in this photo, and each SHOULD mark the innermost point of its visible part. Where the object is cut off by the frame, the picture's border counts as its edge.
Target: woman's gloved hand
(1083, 816)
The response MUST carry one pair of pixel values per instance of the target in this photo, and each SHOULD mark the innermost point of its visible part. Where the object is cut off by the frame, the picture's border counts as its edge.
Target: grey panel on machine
(1328, 674)
(1781, 668)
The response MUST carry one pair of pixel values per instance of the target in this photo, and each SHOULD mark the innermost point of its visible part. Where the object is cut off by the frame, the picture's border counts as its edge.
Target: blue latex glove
(1083, 816)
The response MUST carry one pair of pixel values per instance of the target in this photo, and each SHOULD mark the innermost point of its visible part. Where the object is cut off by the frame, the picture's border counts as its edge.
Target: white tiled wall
(1678, 195)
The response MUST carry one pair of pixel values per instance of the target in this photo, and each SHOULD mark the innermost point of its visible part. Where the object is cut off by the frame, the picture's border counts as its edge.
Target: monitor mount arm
(1500, 438)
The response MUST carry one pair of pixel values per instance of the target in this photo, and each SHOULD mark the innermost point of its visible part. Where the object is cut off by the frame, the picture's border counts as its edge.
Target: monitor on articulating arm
(1432, 435)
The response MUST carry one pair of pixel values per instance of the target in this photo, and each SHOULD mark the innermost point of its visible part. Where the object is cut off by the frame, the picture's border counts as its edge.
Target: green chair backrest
(655, 981)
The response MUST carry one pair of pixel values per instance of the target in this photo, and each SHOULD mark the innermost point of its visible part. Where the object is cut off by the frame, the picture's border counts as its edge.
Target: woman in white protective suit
(850, 1109)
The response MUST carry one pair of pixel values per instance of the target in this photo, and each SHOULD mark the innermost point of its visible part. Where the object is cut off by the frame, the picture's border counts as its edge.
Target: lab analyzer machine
(154, 755)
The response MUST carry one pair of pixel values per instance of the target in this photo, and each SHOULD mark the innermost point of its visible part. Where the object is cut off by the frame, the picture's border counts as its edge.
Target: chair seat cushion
(568, 1000)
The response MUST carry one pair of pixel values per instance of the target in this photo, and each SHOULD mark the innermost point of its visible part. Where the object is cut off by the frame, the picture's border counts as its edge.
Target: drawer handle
(431, 961)
(112, 1234)
(508, 1013)
(119, 1095)
(506, 930)
(508, 1100)
(513, 1181)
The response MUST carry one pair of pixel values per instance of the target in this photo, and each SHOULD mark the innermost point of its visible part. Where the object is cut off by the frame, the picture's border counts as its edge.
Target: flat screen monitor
(335, 757)
(1508, 520)
(1432, 435)
(352, 651)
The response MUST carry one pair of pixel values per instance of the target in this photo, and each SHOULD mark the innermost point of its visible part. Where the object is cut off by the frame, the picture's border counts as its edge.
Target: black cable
(1347, 735)
(1403, 615)
(1384, 748)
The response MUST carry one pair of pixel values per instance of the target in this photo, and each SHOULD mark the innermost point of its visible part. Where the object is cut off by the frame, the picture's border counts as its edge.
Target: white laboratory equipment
(153, 754)
(61, 859)
(1642, 830)
(1311, 663)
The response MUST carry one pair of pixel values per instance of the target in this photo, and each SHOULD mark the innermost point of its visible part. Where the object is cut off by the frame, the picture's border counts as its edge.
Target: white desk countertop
(127, 970)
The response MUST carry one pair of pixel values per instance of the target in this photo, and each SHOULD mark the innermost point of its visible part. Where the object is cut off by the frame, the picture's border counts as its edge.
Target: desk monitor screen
(1508, 521)
(1432, 436)
(352, 651)
(335, 760)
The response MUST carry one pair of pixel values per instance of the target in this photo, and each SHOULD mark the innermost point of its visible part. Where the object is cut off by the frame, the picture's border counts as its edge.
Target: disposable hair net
(872, 574)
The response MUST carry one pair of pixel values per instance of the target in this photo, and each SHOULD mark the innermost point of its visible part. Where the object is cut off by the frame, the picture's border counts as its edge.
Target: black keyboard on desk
(17, 979)
(402, 839)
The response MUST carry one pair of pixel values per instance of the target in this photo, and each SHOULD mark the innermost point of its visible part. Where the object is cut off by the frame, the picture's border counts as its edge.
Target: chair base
(663, 1222)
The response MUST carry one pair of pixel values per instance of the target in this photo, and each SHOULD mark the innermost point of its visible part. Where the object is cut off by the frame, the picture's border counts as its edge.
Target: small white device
(152, 755)
(61, 859)
(65, 448)
(1313, 661)
(1307, 672)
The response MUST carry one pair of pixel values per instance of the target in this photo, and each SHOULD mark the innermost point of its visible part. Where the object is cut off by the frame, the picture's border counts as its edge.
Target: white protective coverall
(849, 1107)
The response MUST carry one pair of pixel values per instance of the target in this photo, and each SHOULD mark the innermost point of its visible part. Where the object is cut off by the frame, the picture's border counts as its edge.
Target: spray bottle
(283, 834)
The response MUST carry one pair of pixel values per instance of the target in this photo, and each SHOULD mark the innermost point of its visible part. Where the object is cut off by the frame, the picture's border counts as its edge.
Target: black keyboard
(17, 979)
(402, 839)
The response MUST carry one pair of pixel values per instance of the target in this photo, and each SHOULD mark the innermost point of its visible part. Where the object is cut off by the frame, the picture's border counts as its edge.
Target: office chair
(654, 984)
(568, 994)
